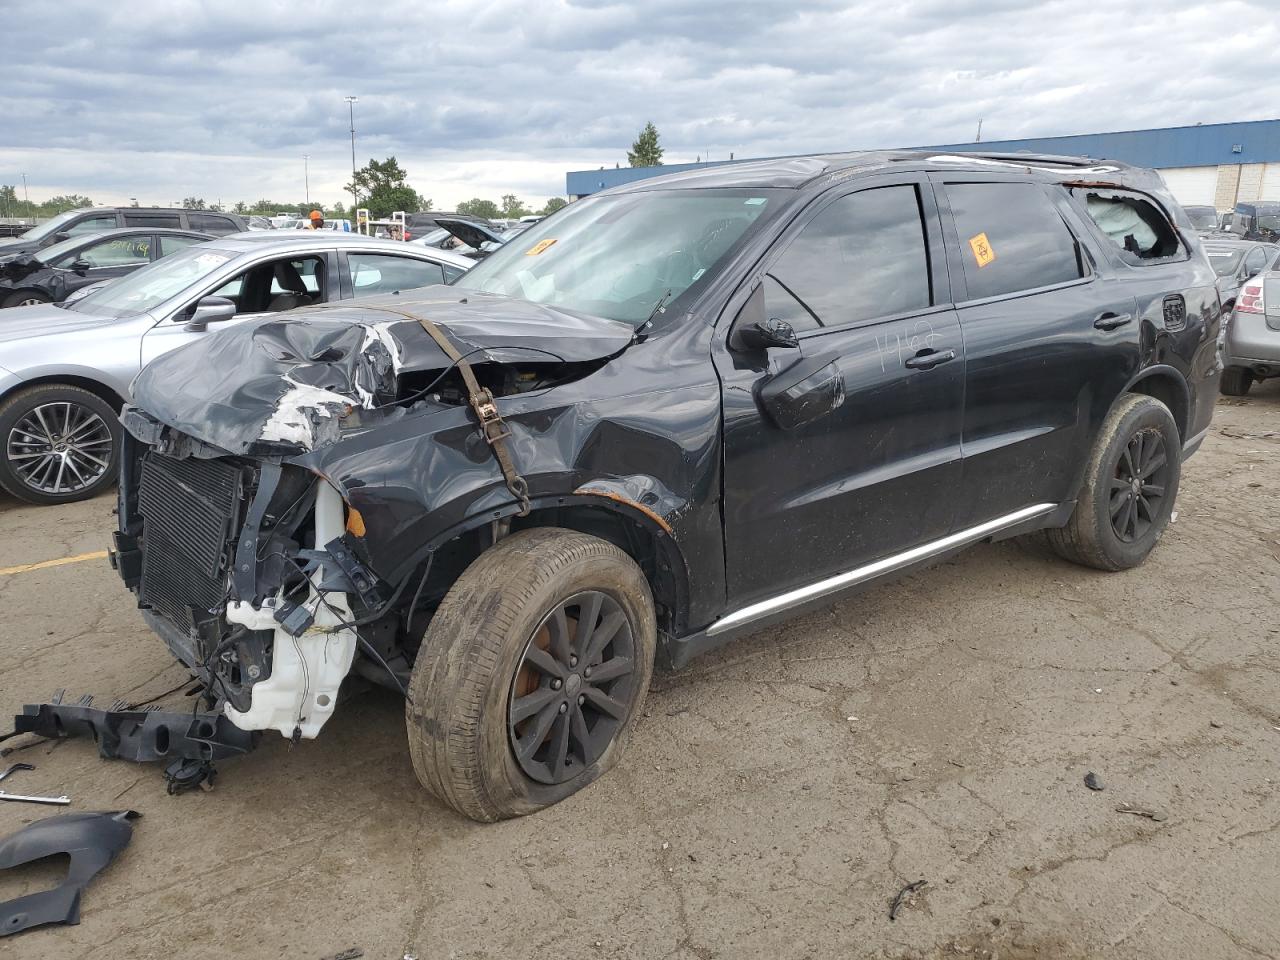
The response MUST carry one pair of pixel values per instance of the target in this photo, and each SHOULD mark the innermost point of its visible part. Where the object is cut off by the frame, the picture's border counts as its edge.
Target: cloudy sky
(163, 99)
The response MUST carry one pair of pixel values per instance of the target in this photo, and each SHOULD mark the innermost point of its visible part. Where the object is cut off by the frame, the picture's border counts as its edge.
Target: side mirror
(81, 266)
(210, 310)
(768, 333)
(59, 237)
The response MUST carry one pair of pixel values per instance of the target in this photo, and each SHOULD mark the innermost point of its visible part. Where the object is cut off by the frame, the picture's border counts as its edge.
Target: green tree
(339, 212)
(384, 189)
(480, 208)
(513, 207)
(241, 207)
(193, 203)
(646, 152)
(8, 201)
(61, 204)
(554, 204)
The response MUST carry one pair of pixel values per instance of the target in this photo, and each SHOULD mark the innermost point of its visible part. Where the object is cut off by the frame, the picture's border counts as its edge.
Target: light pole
(306, 176)
(351, 111)
(27, 194)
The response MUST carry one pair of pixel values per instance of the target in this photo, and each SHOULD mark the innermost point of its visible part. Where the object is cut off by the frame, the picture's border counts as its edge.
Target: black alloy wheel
(1138, 488)
(572, 688)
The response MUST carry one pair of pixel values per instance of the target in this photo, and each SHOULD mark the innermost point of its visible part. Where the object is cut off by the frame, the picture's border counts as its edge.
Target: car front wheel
(61, 443)
(1130, 485)
(25, 298)
(531, 675)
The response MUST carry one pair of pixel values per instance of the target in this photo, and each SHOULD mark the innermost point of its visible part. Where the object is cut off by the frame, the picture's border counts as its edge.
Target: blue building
(1217, 164)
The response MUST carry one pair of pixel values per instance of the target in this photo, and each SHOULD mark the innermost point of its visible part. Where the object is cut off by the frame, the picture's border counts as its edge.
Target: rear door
(1049, 339)
(369, 274)
(845, 448)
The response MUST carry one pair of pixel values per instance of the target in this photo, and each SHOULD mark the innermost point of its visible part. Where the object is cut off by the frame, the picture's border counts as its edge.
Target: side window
(1255, 262)
(91, 225)
(451, 273)
(277, 285)
(153, 220)
(863, 256)
(211, 223)
(1012, 238)
(121, 252)
(308, 270)
(172, 244)
(383, 273)
(1132, 223)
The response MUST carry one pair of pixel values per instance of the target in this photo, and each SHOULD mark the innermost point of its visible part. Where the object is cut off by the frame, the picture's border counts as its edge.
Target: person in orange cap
(317, 220)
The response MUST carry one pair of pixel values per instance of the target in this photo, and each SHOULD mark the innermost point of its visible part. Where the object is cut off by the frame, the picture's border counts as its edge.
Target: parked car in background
(1256, 221)
(75, 223)
(1235, 261)
(1203, 218)
(418, 224)
(260, 223)
(1251, 346)
(671, 414)
(65, 370)
(56, 272)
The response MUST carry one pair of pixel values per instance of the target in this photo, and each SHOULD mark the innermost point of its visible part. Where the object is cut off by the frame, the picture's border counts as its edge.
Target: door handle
(1109, 320)
(927, 359)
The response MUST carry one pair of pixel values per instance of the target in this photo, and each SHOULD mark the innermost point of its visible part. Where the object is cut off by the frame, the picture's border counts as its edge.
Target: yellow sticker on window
(538, 247)
(981, 248)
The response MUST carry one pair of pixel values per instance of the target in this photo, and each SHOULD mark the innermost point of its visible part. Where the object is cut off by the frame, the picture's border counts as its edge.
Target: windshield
(1268, 222)
(1203, 218)
(50, 254)
(50, 227)
(1224, 260)
(152, 285)
(617, 256)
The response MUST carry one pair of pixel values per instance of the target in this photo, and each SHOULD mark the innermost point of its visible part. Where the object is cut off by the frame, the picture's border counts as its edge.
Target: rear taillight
(1250, 299)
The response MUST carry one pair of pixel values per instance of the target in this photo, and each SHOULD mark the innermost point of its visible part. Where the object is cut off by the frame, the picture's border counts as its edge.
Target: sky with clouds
(163, 99)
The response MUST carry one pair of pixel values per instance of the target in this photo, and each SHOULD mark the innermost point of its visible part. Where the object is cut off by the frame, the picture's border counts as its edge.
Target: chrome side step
(840, 581)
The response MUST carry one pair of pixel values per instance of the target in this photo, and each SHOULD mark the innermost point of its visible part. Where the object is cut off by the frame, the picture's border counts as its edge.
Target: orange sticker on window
(981, 248)
(538, 247)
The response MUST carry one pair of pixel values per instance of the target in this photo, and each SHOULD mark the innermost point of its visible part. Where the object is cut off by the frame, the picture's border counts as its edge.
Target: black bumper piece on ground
(138, 734)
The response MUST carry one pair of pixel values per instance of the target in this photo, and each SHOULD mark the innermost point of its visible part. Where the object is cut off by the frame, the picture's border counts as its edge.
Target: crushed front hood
(281, 384)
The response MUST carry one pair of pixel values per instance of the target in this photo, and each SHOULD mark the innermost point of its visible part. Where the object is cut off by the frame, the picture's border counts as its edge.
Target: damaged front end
(240, 536)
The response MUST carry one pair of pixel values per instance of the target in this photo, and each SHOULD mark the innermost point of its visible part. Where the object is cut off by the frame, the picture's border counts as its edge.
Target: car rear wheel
(531, 675)
(1130, 485)
(1236, 382)
(61, 443)
(25, 298)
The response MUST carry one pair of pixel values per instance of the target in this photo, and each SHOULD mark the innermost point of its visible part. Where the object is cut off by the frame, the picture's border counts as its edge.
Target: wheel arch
(1166, 384)
(99, 389)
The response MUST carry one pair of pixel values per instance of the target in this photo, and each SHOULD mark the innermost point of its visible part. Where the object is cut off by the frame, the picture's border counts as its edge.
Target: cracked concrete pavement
(776, 795)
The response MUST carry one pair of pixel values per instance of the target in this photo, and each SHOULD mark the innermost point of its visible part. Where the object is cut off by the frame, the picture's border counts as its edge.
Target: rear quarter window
(1012, 238)
(1138, 228)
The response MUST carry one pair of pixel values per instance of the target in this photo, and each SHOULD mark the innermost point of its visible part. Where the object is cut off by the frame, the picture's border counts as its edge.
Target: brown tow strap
(492, 427)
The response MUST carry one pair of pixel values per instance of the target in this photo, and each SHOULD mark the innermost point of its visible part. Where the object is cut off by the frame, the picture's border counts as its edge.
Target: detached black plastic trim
(138, 735)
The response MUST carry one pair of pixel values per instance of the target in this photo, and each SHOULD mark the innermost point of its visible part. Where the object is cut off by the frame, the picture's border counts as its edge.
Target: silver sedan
(65, 369)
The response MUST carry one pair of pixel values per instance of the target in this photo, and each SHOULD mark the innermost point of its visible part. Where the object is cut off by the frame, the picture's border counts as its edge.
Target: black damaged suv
(670, 414)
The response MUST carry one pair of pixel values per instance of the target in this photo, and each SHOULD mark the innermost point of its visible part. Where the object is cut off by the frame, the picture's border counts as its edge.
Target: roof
(255, 240)
(797, 172)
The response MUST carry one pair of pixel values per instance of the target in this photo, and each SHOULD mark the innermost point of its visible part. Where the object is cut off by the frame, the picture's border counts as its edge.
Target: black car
(1255, 221)
(1204, 219)
(1235, 261)
(75, 223)
(57, 271)
(672, 414)
(419, 224)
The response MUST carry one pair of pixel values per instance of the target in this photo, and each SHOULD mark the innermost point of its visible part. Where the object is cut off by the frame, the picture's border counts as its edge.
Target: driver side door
(253, 290)
(844, 448)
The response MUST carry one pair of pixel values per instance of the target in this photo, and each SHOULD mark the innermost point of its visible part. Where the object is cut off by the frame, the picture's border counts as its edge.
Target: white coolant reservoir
(307, 670)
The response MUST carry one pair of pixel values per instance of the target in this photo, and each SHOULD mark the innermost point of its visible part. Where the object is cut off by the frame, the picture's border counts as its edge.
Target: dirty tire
(1089, 538)
(21, 298)
(19, 404)
(457, 712)
(1236, 382)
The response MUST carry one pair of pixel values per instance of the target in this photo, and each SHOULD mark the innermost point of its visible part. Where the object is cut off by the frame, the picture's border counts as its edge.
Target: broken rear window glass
(617, 256)
(1133, 224)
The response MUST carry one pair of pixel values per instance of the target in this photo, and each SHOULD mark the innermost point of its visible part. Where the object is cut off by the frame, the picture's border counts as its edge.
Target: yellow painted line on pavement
(28, 567)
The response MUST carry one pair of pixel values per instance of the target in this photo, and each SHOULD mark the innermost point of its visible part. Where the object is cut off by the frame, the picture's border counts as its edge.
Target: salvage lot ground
(776, 795)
